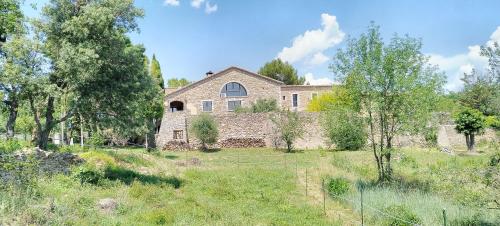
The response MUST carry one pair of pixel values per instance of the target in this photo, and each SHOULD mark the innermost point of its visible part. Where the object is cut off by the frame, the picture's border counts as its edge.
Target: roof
(218, 74)
(307, 87)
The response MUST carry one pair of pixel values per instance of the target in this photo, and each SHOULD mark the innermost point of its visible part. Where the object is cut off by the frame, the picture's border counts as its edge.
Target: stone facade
(183, 103)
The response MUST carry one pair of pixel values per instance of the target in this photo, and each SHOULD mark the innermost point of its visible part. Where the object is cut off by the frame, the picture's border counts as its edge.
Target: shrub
(97, 139)
(431, 136)
(289, 125)
(338, 186)
(89, 174)
(264, 105)
(495, 159)
(405, 217)
(205, 129)
(345, 129)
(492, 122)
(9, 146)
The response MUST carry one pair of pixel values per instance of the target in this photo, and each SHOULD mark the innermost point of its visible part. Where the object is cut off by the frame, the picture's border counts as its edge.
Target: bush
(89, 174)
(431, 136)
(493, 122)
(405, 217)
(259, 106)
(345, 129)
(97, 139)
(9, 146)
(338, 186)
(205, 129)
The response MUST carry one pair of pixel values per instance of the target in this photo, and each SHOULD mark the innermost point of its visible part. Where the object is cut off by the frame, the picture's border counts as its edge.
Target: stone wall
(256, 127)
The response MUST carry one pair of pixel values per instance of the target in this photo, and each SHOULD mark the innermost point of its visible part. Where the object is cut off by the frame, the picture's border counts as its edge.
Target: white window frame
(202, 110)
(227, 104)
(291, 100)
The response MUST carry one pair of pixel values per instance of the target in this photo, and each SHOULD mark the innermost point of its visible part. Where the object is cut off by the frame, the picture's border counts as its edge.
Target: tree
(176, 83)
(470, 122)
(10, 19)
(22, 62)
(395, 85)
(156, 72)
(92, 63)
(289, 126)
(481, 92)
(281, 71)
(205, 129)
(344, 128)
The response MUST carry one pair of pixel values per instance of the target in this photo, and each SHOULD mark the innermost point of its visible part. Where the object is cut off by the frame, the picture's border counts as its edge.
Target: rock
(107, 205)
(242, 143)
(195, 161)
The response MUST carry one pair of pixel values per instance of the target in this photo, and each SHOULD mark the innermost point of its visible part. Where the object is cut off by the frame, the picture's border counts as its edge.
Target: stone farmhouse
(221, 93)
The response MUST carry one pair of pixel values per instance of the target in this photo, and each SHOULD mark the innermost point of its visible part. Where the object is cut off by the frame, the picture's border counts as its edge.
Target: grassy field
(256, 187)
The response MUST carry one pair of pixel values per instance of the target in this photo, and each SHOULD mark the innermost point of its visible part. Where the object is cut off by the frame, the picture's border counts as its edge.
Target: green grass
(257, 187)
(171, 188)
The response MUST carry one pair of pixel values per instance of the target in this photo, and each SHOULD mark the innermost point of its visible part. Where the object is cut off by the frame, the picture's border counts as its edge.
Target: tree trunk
(11, 122)
(43, 139)
(468, 142)
(472, 142)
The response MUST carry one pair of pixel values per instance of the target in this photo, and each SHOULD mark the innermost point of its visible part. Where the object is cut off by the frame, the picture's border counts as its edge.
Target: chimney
(209, 73)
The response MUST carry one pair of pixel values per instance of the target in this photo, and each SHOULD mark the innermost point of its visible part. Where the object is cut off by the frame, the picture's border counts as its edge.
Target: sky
(192, 37)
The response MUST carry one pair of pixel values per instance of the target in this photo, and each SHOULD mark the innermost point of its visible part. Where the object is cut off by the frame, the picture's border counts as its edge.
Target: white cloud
(196, 3)
(455, 66)
(318, 58)
(319, 81)
(210, 8)
(314, 42)
(171, 2)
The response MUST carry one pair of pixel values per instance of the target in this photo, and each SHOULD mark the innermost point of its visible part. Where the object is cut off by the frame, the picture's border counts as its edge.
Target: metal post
(362, 215)
(324, 196)
(306, 182)
(238, 154)
(444, 217)
(186, 158)
(284, 155)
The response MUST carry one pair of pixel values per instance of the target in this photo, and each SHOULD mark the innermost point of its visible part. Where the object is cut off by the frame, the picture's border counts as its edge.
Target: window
(295, 100)
(176, 106)
(207, 106)
(178, 135)
(233, 105)
(284, 97)
(233, 89)
(314, 95)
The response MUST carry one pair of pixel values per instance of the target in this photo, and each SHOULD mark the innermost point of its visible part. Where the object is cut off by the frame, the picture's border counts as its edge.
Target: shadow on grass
(399, 183)
(171, 156)
(210, 150)
(128, 176)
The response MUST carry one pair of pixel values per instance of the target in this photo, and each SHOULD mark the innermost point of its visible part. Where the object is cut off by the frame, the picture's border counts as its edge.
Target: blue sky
(191, 37)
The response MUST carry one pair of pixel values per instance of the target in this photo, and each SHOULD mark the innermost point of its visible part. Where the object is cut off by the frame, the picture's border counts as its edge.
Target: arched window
(234, 89)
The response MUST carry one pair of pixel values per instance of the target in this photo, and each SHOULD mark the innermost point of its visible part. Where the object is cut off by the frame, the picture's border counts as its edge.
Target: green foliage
(481, 92)
(205, 129)
(10, 146)
(338, 186)
(10, 18)
(281, 71)
(396, 87)
(97, 139)
(176, 83)
(259, 106)
(469, 121)
(492, 122)
(155, 71)
(339, 97)
(405, 217)
(289, 127)
(88, 174)
(345, 128)
(431, 136)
